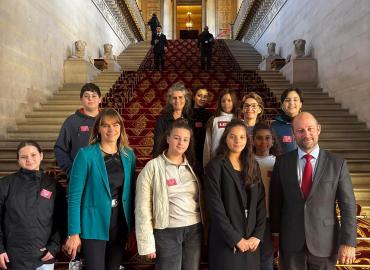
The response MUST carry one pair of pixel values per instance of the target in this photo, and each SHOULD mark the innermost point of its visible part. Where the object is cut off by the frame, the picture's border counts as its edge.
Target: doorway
(188, 21)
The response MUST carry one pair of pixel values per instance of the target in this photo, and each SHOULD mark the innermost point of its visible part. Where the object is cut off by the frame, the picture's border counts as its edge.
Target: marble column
(211, 16)
(168, 18)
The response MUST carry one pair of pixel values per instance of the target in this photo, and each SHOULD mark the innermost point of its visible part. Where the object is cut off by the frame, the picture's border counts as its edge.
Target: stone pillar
(168, 18)
(204, 13)
(211, 16)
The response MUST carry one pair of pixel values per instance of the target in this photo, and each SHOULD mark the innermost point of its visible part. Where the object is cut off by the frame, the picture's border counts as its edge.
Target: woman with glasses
(252, 110)
(178, 105)
(291, 105)
(101, 195)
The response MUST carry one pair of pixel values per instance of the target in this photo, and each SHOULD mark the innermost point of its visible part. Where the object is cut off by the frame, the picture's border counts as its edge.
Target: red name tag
(287, 139)
(198, 124)
(46, 193)
(222, 124)
(171, 182)
(84, 128)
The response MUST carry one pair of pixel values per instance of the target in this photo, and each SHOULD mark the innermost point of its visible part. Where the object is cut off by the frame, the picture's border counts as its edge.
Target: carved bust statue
(271, 49)
(299, 48)
(108, 53)
(80, 49)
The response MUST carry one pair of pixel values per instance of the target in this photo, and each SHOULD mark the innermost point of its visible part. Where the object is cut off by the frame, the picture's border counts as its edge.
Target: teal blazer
(89, 197)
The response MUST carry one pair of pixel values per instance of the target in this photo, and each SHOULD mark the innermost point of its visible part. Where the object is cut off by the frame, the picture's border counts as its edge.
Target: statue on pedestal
(80, 49)
(108, 52)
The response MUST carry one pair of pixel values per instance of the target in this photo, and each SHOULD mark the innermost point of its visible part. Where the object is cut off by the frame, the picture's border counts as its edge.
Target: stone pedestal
(112, 65)
(266, 63)
(301, 71)
(79, 71)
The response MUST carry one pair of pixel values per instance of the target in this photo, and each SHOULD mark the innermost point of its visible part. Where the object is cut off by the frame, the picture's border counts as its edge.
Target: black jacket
(74, 134)
(159, 42)
(32, 216)
(227, 222)
(206, 40)
(200, 118)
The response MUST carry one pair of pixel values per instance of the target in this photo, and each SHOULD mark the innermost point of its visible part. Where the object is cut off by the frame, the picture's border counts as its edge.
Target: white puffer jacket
(152, 204)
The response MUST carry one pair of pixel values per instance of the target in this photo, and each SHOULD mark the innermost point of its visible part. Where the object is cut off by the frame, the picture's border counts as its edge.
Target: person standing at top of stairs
(153, 24)
(205, 43)
(159, 43)
(76, 129)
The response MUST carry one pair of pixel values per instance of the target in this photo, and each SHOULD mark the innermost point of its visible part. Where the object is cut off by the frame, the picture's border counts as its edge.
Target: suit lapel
(319, 170)
(101, 167)
(231, 172)
(293, 167)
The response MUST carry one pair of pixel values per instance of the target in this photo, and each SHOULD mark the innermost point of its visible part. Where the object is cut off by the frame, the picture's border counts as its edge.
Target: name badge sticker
(46, 193)
(198, 124)
(171, 182)
(222, 124)
(287, 139)
(84, 128)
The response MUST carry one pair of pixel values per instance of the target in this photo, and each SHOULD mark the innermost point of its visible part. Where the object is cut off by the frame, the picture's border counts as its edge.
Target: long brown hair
(95, 137)
(190, 152)
(250, 171)
(234, 100)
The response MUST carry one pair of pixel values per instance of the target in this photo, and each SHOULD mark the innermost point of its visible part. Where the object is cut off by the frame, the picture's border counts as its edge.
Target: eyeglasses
(253, 106)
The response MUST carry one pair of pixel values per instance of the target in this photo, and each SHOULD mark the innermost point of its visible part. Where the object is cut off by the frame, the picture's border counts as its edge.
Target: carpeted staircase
(139, 95)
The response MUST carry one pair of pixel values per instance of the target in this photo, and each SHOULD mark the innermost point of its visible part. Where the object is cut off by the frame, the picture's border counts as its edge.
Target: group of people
(245, 187)
(160, 44)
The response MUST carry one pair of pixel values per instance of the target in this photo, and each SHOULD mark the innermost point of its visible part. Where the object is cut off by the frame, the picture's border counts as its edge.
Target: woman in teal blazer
(101, 195)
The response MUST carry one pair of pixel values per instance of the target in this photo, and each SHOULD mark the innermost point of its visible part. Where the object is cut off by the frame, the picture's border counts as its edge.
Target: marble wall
(338, 36)
(36, 38)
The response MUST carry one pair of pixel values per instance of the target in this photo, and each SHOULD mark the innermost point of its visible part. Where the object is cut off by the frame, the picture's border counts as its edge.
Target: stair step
(359, 178)
(347, 143)
(362, 192)
(361, 153)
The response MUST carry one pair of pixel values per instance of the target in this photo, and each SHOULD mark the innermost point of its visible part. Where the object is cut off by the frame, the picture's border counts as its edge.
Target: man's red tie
(307, 177)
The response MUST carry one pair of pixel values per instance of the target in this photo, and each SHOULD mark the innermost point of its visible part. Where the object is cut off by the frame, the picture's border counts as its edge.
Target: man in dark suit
(205, 43)
(159, 43)
(306, 184)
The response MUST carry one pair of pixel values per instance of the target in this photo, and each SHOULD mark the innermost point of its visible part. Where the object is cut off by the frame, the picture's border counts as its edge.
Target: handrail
(243, 11)
(137, 16)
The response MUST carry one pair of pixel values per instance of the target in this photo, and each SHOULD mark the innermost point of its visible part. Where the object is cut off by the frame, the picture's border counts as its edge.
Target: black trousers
(206, 58)
(159, 60)
(107, 255)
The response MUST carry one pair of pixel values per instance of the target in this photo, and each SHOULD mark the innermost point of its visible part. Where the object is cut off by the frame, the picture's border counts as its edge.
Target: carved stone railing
(137, 16)
(254, 17)
(241, 16)
(127, 14)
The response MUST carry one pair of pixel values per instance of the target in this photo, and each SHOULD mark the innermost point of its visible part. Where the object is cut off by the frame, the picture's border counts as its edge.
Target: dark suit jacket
(227, 221)
(313, 221)
(159, 43)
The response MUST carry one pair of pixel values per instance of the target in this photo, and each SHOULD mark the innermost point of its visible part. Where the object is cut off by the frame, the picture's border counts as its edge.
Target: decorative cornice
(259, 19)
(116, 20)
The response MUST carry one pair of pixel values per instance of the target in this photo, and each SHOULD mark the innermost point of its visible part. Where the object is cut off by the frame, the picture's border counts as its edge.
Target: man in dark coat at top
(159, 43)
(205, 43)
(153, 24)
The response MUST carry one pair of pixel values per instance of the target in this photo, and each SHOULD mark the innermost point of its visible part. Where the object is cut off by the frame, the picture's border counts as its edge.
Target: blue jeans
(46, 267)
(267, 251)
(178, 248)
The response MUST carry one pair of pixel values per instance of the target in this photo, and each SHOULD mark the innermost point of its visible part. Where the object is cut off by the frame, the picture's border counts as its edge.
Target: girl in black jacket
(32, 208)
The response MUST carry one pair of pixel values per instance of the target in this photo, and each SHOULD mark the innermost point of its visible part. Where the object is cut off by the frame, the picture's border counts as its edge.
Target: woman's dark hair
(179, 87)
(234, 100)
(250, 170)
(28, 143)
(287, 91)
(190, 152)
(95, 137)
(275, 149)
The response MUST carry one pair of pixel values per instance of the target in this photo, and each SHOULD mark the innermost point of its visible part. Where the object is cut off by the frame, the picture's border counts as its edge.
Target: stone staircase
(44, 122)
(245, 55)
(132, 57)
(341, 133)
